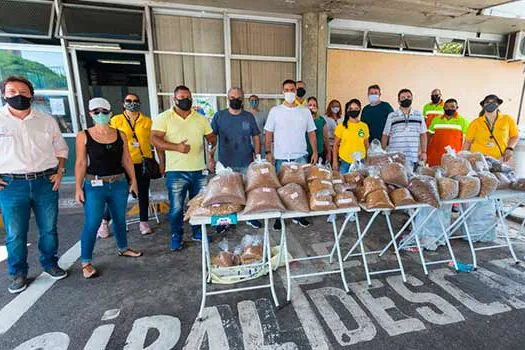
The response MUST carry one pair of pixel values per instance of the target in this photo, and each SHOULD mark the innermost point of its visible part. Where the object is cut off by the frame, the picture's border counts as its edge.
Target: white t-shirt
(289, 126)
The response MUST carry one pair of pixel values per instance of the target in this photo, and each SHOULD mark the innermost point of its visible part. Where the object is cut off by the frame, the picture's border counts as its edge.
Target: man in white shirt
(32, 165)
(286, 126)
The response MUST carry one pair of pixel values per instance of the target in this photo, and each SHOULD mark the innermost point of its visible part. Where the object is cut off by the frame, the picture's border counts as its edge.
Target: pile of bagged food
(382, 181)
(248, 251)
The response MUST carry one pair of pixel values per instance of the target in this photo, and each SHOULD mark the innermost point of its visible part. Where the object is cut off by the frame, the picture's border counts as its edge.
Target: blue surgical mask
(373, 98)
(335, 110)
(101, 118)
(254, 103)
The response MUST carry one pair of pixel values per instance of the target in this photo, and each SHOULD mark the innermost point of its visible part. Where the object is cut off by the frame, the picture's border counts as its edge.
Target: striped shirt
(404, 133)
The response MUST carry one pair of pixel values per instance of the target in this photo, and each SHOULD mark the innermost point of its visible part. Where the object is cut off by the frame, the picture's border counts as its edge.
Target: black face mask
(236, 103)
(352, 114)
(491, 107)
(184, 104)
(450, 112)
(435, 99)
(301, 92)
(406, 103)
(19, 102)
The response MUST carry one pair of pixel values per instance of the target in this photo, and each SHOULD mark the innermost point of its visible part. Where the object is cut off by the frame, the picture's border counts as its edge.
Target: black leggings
(143, 187)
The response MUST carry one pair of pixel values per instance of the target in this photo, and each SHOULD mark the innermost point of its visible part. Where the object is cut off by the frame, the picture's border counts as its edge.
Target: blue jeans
(16, 201)
(115, 195)
(179, 183)
(343, 166)
(279, 162)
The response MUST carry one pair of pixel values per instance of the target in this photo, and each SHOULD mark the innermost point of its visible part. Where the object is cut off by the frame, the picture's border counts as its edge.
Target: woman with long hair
(332, 118)
(321, 133)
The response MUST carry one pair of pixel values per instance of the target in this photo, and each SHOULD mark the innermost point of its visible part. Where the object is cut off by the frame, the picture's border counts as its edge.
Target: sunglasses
(100, 110)
(131, 101)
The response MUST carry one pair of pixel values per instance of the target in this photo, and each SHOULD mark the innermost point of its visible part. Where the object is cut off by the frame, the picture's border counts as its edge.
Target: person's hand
(211, 165)
(133, 188)
(2, 184)
(269, 157)
(183, 147)
(79, 196)
(507, 156)
(423, 156)
(328, 157)
(162, 168)
(56, 180)
(315, 157)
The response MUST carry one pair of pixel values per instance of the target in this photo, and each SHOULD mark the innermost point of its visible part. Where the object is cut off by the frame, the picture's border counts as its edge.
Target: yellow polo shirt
(194, 128)
(142, 126)
(352, 140)
(478, 133)
(300, 104)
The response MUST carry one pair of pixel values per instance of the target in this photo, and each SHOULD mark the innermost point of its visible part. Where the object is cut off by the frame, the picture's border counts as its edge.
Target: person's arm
(367, 144)
(256, 140)
(61, 152)
(327, 144)
(313, 143)
(466, 145)
(423, 147)
(157, 139)
(162, 161)
(80, 166)
(384, 141)
(211, 138)
(335, 153)
(514, 137)
(469, 138)
(386, 131)
(268, 139)
(127, 163)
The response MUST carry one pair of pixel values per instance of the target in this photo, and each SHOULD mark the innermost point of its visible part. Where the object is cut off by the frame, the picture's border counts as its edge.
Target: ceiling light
(134, 63)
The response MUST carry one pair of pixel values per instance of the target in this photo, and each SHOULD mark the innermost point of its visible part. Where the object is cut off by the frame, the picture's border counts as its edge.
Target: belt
(107, 179)
(32, 176)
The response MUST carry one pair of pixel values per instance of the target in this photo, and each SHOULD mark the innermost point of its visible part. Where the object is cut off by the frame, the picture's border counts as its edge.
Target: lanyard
(132, 126)
(491, 131)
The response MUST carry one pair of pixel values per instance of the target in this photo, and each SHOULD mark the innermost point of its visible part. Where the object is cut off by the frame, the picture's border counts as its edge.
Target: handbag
(150, 167)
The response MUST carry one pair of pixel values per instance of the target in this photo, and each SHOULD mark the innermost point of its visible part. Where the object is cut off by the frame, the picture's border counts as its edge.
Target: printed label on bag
(265, 171)
(337, 181)
(224, 220)
(267, 190)
(294, 195)
(325, 182)
(316, 202)
(325, 170)
(294, 167)
(344, 201)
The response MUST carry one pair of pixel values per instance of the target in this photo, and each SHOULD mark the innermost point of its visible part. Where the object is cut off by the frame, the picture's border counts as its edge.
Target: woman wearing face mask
(493, 134)
(350, 137)
(321, 133)
(102, 162)
(332, 117)
(137, 128)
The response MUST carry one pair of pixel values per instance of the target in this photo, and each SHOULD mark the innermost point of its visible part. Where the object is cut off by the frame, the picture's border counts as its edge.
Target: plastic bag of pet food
(261, 173)
(322, 203)
(402, 196)
(448, 187)
(343, 188)
(503, 181)
(252, 249)
(379, 199)
(469, 186)
(497, 166)
(425, 190)
(394, 174)
(476, 159)
(376, 155)
(226, 187)
(212, 210)
(294, 198)
(454, 165)
(489, 183)
(321, 188)
(346, 200)
(224, 258)
(519, 185)
(373, 182)
(263, 199)
(427, 170)
(318, 172)
(292, 173)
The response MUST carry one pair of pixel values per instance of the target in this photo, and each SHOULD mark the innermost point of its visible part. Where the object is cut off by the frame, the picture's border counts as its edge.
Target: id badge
(205, 172)
(135, 144)
(490, 144)
(97, 183)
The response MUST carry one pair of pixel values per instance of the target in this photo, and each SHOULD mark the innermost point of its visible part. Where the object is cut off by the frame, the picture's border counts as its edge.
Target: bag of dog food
(294, 197)
(261, 173)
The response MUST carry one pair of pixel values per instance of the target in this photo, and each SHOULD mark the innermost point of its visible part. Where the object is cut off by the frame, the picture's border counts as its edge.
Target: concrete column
(314, 47)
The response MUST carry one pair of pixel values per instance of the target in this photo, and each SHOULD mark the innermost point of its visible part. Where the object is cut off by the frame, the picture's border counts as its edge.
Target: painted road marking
(3, 252)
(13, 311)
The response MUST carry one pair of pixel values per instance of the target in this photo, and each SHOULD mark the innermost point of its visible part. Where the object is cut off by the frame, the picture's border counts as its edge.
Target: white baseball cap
(99, 102)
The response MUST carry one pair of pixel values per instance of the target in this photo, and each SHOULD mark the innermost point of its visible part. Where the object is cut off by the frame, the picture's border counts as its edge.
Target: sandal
(89, 271)
(130, 253)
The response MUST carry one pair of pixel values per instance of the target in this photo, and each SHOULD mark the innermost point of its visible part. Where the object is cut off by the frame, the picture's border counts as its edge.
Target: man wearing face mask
(300, 99)
(446, 130)
(405, 130)
(494, 134)
(434, 108)
(238, 137)
(376, 112)
(179, 132)
(285, 128)
(260, 117)
(32, 165)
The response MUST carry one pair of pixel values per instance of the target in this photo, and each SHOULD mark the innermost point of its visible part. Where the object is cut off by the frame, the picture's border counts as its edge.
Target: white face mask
(373, 98)
(289, 97)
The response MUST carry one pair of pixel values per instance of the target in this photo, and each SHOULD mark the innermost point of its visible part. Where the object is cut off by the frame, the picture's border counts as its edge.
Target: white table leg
(286, 262)
(499, 212)
(204, 255)
(268, 250)
(362, 248)
(421, 256)
(339, 257)
(391, 231)
(360, 239)
(467, 232)
(345, 222)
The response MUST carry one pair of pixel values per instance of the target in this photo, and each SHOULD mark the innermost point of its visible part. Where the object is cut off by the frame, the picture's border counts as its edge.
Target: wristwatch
(509, 149)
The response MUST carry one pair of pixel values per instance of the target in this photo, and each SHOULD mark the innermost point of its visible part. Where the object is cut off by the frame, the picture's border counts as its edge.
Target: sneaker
(176, 243)
(198, 237)
(144, 228)
(103, 230)
(56, 273)
(301, 222)
(254, 223)
(277, 225)
(17, 285)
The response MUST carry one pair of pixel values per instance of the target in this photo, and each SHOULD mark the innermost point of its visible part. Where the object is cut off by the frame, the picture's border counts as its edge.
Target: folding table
(336, 247)
(207, 265)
